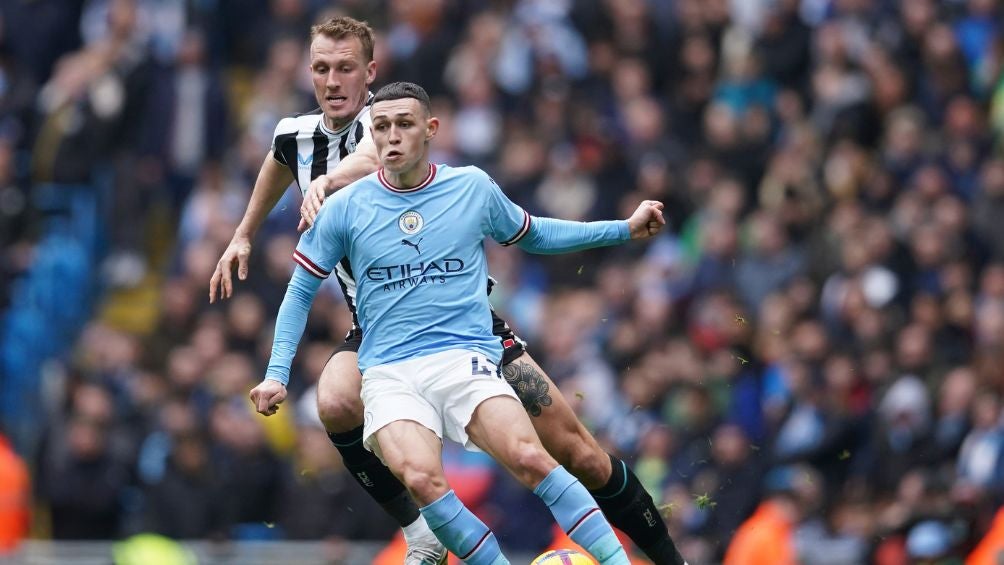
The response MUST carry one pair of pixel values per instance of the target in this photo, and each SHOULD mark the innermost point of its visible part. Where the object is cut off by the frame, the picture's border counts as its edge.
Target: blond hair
(343, 27)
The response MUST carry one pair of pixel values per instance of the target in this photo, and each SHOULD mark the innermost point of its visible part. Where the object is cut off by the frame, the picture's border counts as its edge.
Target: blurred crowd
(814, 348)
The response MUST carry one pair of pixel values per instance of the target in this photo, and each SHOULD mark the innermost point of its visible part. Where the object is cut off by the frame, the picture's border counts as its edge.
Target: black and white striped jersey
(305, 145)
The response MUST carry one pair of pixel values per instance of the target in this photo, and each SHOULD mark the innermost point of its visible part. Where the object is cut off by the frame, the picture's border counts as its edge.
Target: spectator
(84, 485)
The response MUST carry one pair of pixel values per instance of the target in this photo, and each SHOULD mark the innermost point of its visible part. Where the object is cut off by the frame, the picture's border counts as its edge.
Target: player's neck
(411, 177)
(335, 125)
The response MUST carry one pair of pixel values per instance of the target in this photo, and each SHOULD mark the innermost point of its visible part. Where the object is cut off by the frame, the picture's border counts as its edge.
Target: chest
(415, 229)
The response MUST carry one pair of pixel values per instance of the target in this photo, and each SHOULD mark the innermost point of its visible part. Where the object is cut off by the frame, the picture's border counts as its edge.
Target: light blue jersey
(418, 259)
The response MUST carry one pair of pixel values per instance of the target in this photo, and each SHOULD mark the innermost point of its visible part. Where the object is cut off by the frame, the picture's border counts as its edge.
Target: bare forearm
(273, 179)
(353, 167)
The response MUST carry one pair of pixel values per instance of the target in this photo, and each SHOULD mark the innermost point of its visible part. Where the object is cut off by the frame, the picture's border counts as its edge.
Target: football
(562, 557)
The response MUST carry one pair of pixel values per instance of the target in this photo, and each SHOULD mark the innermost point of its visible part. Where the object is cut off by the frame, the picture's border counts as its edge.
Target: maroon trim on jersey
(522, 231)
(309, 265)
(420, 186)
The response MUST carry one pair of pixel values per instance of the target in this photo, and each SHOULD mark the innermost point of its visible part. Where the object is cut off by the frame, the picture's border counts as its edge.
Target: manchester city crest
(410, 222)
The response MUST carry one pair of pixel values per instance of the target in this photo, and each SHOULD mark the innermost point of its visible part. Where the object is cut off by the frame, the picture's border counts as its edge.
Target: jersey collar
(419, 186)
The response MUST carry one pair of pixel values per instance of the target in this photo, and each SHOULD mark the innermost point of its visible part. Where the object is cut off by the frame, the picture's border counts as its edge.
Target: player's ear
(370, 72)
(431, 128)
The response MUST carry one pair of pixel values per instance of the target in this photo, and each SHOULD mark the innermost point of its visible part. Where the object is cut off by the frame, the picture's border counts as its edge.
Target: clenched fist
(267, 396)
(647, 220)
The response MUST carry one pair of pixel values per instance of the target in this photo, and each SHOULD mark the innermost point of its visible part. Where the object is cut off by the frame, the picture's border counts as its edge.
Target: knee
(426, 485)
(588, 463)
(339, 412)
(531, 463)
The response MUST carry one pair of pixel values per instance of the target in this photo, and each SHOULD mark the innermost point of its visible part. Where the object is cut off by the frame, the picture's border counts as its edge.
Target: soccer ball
(562, 557)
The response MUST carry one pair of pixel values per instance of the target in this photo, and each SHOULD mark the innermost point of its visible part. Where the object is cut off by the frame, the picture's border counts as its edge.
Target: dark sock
(630, 509)
(374, 477)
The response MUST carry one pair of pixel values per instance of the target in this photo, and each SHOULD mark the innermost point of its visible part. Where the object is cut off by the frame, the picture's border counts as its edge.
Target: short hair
(343, 27)
(399, 90)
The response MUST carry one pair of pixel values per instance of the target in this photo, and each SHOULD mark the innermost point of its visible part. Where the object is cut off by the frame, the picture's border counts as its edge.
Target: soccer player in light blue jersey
(414, 233)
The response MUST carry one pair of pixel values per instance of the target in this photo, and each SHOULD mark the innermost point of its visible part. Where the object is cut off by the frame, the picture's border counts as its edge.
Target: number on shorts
(478, 369)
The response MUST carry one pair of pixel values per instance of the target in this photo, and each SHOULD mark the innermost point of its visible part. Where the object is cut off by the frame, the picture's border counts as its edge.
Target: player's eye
(404, 125)
(320, 70)
(345, 69)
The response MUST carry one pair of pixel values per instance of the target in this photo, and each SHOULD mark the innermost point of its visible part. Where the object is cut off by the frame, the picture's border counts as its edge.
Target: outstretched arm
(290, 322)
(273, 178)
(315, 256)
(350, 169)
(289, 325)
(552, 236)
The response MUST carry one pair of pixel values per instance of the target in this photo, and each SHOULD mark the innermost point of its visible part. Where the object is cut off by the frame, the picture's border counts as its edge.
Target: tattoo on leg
(529, 384)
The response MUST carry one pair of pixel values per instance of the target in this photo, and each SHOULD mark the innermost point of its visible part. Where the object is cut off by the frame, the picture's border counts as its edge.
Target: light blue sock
(580, 518)
(462, 532)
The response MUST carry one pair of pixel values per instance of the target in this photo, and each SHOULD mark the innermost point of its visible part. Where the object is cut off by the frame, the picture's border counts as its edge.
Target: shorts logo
(410, 222)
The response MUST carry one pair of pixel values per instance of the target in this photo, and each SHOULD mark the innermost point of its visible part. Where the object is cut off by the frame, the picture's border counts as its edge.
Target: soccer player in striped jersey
(415, 232)
(348, 155)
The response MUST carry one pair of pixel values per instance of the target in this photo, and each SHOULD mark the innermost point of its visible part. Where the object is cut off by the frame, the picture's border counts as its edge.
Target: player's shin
(578, 516)
(375, 478)
(631, 509)
(462, 532)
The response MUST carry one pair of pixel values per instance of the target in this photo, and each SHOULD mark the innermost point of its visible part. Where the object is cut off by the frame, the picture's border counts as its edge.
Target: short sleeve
(322, 246)
(507, 222)
(284, 135)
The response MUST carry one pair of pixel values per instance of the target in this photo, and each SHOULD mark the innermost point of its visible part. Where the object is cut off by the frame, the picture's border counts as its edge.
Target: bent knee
(339, 412)
(531, 463)
(425, 484)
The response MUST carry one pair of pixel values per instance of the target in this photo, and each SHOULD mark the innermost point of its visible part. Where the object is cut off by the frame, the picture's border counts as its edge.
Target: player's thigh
(559, 429)
(501, 428)
(338, 393)
(413, 452)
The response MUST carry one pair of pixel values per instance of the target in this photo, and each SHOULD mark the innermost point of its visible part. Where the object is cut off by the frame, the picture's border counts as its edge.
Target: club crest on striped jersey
(410, 222)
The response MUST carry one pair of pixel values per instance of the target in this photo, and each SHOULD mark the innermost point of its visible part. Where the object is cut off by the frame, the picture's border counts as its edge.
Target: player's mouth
(335, 99)
(393, 154)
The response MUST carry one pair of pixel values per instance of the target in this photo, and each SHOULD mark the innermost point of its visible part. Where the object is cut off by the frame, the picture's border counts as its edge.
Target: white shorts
(439, 391)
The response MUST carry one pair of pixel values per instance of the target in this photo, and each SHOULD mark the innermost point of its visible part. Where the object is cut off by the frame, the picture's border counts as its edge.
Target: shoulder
(361, 188)
(294, 124)
(469, 173)
(476, 177)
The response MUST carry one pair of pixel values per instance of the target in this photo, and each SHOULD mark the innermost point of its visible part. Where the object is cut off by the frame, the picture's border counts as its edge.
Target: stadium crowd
(809, 362)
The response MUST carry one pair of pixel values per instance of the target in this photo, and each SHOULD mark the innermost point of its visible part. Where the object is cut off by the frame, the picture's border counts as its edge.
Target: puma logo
(415, 245)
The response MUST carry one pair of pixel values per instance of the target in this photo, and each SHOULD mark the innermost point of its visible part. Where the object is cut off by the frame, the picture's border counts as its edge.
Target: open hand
(312, 200)
(238, 251)
(647, 220)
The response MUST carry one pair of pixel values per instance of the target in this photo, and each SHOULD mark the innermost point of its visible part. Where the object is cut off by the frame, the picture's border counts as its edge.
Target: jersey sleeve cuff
(625, 230)
(523, 230)
(309, 265)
